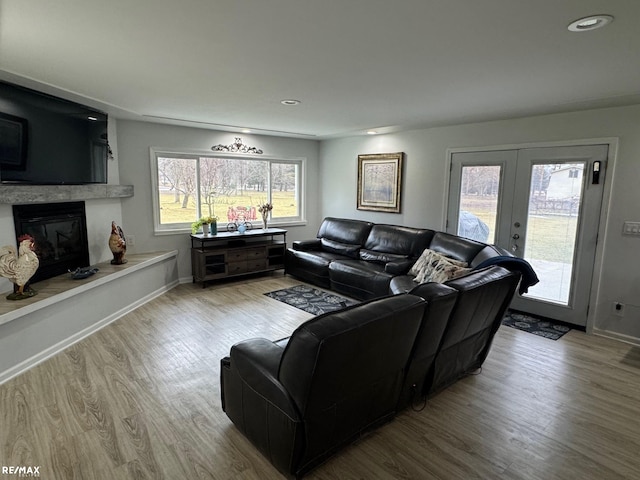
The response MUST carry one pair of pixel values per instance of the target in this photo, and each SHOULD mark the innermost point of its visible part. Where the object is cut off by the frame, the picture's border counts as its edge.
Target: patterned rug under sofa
(543, 327)
(310, 299)
(316, 301)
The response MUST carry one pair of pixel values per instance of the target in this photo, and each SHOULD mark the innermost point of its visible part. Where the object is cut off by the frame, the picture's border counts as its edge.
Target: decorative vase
(264, 222)
(242, 228)
(214, 228)
(205, 229)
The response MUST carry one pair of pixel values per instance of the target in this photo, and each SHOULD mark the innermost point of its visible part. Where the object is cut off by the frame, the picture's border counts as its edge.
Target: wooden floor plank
(140, 399)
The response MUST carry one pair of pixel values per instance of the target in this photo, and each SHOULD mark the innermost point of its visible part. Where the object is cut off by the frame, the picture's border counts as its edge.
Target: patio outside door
(543, 205)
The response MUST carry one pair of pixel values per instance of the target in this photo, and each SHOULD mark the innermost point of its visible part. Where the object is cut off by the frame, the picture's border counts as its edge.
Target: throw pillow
(435, 267)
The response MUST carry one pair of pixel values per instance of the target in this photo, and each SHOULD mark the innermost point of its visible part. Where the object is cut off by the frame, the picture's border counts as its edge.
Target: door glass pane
(479, 190)
(555, 197)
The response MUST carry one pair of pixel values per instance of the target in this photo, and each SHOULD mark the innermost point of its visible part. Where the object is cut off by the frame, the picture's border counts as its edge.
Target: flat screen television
(45, 140)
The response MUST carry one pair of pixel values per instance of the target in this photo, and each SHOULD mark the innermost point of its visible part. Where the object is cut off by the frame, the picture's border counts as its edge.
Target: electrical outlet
(631, 228)
(618, 309)
(131, 240)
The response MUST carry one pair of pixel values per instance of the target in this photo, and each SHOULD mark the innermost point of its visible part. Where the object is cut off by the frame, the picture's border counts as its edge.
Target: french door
(543, 205)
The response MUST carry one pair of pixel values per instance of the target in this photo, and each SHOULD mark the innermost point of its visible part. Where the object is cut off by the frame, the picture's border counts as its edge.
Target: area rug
(542, 327)
(315, 301)
(311, 300)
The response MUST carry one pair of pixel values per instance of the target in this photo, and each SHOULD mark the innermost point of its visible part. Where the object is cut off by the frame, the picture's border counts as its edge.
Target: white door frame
(604, 226)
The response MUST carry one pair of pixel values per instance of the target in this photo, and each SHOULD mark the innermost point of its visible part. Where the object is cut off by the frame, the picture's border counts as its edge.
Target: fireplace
(60, 234)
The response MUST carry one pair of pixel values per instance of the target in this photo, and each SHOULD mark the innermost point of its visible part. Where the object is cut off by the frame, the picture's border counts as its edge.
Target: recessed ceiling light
(246, 130)
(93, 119)
(290, 102)
(590, 23)
(371, 132)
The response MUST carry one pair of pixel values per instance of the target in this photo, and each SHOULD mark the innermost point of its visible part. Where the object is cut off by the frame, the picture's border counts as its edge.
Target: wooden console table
(230, 254)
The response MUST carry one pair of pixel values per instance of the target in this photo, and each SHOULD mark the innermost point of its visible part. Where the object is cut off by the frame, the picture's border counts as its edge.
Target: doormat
(310, 299)
(543, 327)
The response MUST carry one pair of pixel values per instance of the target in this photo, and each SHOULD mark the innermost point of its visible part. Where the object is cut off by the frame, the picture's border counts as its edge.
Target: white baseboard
(617, 336)
(66, 343)
(37, 331)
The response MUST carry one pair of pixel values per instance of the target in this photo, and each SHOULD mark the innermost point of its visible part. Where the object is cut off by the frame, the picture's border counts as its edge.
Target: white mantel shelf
(17, 194)
(62, 287)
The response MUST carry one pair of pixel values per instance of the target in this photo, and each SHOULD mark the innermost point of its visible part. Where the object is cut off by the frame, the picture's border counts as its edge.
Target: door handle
(515, 236)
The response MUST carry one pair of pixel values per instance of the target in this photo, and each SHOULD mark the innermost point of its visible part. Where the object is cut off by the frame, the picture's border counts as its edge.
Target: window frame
(180, 228)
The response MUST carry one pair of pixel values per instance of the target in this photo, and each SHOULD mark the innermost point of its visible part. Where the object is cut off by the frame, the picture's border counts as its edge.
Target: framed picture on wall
(13, 142)
(380, 182)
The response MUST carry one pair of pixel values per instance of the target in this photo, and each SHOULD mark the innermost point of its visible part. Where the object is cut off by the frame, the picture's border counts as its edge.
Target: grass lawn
(284, 205)
(549, 237)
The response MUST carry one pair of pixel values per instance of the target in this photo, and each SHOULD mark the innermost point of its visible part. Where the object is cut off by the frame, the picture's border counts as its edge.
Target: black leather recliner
(440, 301)
(482, 298)
(338, 238)
(338, 375)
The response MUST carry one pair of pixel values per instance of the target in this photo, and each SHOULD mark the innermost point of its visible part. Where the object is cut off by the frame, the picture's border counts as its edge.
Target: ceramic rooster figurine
(117, 244)
(19, 267)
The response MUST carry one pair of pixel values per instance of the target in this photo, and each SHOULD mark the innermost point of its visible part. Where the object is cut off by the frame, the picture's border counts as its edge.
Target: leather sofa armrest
(399, 267)
(307, 245)
(257, 362)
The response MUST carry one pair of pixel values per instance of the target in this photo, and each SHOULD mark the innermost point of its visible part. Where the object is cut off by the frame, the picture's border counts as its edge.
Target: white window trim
(155, 152)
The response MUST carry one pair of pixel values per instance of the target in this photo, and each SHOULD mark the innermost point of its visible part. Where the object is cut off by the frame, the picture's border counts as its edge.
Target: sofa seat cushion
(380, 257)
(435, 267)
(359, 279)
(311, 266)
(316, 259)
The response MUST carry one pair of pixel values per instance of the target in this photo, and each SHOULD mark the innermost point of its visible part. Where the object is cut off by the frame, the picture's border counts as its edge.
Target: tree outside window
(230, 188)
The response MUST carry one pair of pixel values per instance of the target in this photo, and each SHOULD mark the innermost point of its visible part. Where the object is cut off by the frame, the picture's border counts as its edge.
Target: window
(229, 186)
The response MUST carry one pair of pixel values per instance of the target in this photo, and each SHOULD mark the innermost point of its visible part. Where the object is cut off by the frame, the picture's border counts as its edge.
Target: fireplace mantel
(18, 194)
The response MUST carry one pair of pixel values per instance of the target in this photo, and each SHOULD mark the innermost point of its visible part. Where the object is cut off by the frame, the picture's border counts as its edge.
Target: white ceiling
(354, 64)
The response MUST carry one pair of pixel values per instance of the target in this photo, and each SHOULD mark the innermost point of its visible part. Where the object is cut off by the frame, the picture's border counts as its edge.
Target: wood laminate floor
(140, 400)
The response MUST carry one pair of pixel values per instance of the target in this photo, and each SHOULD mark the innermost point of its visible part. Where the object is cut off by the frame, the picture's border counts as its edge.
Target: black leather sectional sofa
(300, 399)
(366, 260)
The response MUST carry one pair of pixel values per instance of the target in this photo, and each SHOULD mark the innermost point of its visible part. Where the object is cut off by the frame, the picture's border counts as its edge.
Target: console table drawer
(235, 268)
(245, 254)
(255, 253)
(256, 265)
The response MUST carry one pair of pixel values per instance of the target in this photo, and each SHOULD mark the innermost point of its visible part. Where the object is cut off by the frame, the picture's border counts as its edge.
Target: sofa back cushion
(398, 240)
(344, 369)
(458, 248)
(483, 297)
(342, 235)
(488, 252)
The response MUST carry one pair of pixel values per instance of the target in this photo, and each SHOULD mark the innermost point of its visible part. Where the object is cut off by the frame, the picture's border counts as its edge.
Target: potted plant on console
(209, 225)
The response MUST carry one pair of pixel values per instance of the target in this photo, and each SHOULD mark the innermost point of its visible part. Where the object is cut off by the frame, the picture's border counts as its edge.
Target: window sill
(222, 227)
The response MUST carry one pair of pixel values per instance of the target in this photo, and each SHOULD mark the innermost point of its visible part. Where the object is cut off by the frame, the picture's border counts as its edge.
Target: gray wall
(331, 187)
(426, 177)
(134, 141)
